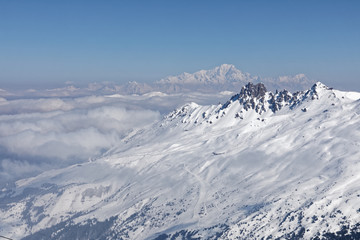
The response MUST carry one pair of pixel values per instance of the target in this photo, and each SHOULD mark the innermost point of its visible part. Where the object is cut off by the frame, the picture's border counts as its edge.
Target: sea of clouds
(38, 134)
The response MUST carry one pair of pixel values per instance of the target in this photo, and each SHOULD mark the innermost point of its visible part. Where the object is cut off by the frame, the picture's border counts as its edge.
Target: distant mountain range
(263, 165)
(227, 77)
(222, 78)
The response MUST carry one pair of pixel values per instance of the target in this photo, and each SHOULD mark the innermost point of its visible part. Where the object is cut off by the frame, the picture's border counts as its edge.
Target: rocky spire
(253, 90)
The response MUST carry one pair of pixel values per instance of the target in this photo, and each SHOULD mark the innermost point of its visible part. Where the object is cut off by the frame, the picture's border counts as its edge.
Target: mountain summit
(224, 74)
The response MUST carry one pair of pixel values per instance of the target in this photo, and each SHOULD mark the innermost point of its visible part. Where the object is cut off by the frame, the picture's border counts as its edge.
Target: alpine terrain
(263, 165)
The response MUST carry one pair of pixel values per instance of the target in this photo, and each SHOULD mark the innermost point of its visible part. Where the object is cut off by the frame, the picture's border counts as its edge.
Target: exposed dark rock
(255, 96)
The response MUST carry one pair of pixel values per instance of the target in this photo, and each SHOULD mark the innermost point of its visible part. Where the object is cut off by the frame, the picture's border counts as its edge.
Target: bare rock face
(253, 90)
(251, 96)
(256, 97)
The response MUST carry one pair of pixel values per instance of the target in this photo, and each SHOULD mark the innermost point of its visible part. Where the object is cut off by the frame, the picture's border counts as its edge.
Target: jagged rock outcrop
(255, 96)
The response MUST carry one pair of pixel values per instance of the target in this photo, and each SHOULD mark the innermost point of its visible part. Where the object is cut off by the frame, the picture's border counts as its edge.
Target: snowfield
(261, 166)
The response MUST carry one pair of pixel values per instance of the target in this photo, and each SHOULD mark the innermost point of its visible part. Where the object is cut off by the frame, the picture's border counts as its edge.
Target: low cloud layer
(39, 134)
(43, 133)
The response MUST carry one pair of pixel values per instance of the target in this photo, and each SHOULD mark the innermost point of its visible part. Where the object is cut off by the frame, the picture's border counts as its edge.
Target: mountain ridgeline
(255, 96)
(252, 98)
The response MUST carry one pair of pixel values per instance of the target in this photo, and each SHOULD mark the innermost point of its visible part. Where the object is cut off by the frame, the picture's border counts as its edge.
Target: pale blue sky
(46, 43)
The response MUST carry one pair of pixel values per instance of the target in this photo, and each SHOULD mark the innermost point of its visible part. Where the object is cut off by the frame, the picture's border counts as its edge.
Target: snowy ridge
(253, 99)
(261, 166)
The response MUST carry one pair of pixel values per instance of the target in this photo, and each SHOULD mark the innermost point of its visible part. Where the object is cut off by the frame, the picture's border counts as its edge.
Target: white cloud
(38, 134)
(42, 133)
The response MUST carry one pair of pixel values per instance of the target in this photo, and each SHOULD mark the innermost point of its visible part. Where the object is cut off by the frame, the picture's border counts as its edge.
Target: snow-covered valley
(261, 166)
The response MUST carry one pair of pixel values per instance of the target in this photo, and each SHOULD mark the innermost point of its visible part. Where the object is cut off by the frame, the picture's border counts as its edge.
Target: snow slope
(261, 166)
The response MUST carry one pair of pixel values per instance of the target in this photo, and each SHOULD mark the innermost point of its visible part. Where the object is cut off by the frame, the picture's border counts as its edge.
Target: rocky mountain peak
(318, 87)
(255, 96)
(250, 96)
(253, 90)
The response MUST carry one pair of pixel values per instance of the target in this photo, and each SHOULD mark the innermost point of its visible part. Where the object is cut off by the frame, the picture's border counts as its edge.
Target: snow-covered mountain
(261, 166)
(219, 75)
(228, 77)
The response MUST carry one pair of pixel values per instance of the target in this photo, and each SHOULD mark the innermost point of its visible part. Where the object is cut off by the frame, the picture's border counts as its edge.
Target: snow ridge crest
(256, 97)
(252, 101)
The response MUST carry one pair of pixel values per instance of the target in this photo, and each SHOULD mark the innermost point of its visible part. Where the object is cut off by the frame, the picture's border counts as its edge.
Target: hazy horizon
(49, 43)
(22, 90)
